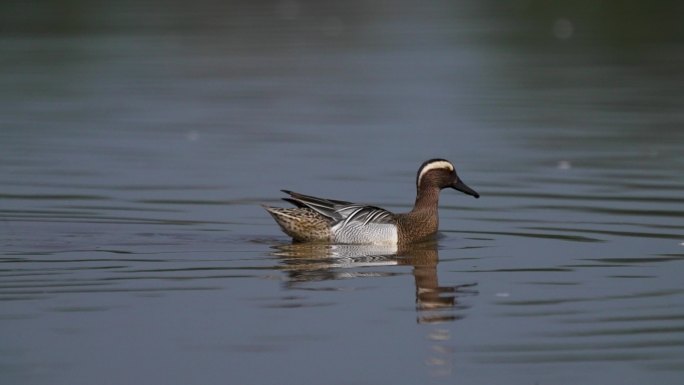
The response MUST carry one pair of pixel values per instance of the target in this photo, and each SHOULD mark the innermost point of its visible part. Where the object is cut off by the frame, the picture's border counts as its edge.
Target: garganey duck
(329, 220)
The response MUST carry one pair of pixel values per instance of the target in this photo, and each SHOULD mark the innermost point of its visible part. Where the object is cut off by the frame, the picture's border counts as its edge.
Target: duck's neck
(421, 222)
(427, 200)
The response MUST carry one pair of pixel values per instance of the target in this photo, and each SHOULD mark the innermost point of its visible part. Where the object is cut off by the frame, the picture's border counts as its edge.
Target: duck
(315, 219)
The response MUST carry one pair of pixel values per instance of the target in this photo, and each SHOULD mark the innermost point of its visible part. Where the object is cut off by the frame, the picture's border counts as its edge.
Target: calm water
(138, 139)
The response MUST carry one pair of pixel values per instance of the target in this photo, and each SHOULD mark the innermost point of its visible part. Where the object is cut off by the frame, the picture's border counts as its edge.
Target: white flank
(441, 164)
(358, 233)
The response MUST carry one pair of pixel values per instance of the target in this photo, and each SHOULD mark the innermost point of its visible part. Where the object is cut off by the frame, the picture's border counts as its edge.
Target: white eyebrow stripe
(434, 166)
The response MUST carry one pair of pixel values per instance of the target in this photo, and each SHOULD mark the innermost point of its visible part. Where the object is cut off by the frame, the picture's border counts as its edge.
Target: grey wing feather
(365, 214)
(325, 207)
(341, 210)
(315, 199)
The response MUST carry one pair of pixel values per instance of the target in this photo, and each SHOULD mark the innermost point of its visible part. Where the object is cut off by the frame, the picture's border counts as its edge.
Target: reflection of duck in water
(306, 262)
(319, 219)
(432, 300)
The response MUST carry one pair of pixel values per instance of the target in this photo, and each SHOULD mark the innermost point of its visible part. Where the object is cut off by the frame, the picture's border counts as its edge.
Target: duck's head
(441, 173)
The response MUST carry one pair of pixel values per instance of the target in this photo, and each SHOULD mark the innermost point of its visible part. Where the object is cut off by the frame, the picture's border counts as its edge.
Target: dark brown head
(441, 173)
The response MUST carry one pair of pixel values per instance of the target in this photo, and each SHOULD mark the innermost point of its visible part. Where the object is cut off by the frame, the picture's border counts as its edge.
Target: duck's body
(328, 220)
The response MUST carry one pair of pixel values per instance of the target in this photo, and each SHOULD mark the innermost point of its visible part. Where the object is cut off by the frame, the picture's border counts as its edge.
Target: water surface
(137, 142)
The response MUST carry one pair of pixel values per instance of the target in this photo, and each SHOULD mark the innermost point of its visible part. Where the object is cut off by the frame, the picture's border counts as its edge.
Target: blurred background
(137, 139)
